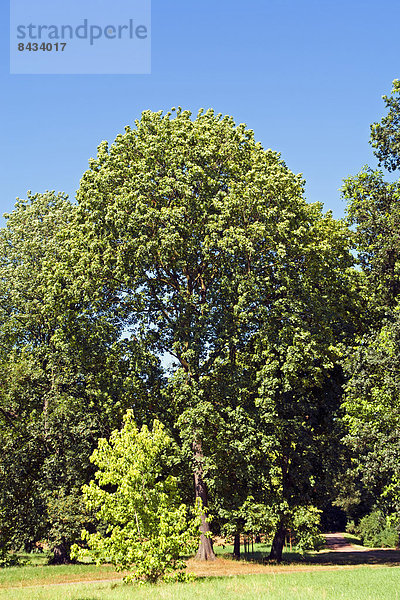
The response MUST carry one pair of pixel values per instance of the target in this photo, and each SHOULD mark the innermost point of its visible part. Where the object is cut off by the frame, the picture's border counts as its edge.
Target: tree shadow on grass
(356, 556)
(259, 555)
(262, 557)
(384, 556)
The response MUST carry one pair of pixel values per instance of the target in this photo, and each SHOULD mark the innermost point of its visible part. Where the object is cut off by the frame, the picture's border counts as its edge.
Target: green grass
(261, 551)
(37, 581)
(352, 539)
(20, 576)
(353, 584)
(37, 571)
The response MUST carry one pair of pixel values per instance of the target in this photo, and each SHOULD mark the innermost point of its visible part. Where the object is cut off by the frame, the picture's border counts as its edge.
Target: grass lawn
(43, 574)
(38, 572)
(363, 583)
(327, 575)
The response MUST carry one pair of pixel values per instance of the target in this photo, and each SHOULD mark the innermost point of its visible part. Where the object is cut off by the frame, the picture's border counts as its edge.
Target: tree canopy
(371, 401)
(203, 239)
(66, 377)
(193, 286)
(385, 135)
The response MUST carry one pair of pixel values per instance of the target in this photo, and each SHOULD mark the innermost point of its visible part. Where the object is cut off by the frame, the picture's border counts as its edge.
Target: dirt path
(339, 551)
(336, 542)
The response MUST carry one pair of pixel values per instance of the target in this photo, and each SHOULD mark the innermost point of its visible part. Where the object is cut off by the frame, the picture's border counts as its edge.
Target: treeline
(192, 283)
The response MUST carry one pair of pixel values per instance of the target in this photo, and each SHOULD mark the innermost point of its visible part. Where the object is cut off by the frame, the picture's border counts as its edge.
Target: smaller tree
(148, 528)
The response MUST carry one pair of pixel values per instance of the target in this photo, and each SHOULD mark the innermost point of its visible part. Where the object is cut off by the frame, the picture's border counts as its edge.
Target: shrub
(378, 531)
(351, 527)
(305, 524)
(147, 526)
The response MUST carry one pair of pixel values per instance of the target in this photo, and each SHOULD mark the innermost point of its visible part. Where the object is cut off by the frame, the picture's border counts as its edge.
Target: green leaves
(204, 243)
(148, 528)
(66, 377)
(385, 136)
(176, 211)
(372, 405)
(374, 209)
(372, 392)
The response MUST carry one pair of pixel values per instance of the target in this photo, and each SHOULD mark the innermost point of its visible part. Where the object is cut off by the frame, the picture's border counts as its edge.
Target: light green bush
(148, 528)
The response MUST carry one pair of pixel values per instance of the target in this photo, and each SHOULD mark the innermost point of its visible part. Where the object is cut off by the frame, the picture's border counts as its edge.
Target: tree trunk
(277, 544)
(29, 545)
(61, 554)
(236, 546)
(205, 551)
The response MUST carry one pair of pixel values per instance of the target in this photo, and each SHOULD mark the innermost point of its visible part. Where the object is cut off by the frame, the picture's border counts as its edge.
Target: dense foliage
(193, 284)
(203, 239)
(385, 136)
(372, 395)
(148, 528)
(66, 378)
(378, 531)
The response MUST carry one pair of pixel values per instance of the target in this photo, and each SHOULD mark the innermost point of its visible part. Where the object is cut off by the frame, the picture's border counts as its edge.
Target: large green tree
(203, 240)
(372, 403)
(374, 213)
(66, 377)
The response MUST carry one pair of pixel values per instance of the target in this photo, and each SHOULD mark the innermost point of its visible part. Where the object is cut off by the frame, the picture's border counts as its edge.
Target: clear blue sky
(306, 75)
